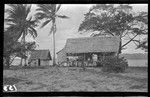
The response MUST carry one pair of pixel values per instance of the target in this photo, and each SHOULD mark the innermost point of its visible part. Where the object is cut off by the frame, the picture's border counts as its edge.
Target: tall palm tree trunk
(21, 54)
(54, 30)
(54, 63)
(23, 51)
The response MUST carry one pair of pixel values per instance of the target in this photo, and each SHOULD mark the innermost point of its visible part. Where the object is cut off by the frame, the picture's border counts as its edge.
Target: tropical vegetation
(19, 24)
(48, 14)
(107, 19)
(112, 20)
(114, 64)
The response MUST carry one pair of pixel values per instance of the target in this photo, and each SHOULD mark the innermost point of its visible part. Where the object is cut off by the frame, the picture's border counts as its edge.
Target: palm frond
(43, 10)
(17, 11)
(29, 19)
(45, 23)
(63, 16)
(9, 11)
(15, 32)
(9, 20)
(17, 18)
(32, 32)
(33, 23)
(9, 24)
(48, 9)
(27, 9)
(21, 11)
(53, 7)
(45, 7)
(41, 15)
(12, 6)
(58, 7)
(13, 28)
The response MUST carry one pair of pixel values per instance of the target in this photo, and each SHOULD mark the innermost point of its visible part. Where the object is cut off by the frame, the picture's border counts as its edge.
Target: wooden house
(39, 58)
(88, 49)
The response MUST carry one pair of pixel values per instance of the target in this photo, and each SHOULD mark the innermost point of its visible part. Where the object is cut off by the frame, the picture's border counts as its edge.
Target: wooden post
(75, 60)
(84, 59)
(83, 65)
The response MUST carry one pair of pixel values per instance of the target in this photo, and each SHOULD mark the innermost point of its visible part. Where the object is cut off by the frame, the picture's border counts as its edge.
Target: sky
(68, 28)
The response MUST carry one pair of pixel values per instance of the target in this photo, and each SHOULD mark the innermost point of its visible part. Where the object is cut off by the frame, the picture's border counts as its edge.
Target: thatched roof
(60, 50)
(92, 44)
(40, 54)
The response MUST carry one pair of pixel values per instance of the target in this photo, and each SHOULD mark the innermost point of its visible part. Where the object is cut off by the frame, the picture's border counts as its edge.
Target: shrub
(114, 64)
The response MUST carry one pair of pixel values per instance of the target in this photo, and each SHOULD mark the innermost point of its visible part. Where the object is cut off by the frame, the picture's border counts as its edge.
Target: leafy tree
(10, 51)
(25, 48)
(143, 44)
(31, 46)
(19, 21)
(14, 49)
(8, 45)
(115, 20)
(48, 13)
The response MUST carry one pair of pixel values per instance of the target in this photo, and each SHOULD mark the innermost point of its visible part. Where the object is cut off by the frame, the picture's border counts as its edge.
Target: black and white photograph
(75, 96)
(75, 48)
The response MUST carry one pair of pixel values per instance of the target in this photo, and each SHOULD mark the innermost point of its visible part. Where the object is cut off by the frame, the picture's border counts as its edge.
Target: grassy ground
(76, 96)
(135, 79)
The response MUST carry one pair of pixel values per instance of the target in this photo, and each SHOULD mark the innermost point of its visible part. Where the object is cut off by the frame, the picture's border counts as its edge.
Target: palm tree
(48, 12)
(20, 23)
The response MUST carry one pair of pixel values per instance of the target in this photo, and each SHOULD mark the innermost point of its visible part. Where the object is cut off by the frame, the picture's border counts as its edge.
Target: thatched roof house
(40, 57)
(89, 45)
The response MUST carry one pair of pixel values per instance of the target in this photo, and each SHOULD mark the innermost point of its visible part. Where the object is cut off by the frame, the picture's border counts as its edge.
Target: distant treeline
(135, 56)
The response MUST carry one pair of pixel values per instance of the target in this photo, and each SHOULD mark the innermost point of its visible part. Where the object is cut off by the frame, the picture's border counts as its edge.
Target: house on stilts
(87, 49)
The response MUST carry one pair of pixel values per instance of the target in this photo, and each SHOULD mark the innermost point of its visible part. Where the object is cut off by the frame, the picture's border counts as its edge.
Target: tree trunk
(54, 31)
(8, 62)
(83, 62)
(24, 52)
(54, 63)
(120, 47)
(119, 50)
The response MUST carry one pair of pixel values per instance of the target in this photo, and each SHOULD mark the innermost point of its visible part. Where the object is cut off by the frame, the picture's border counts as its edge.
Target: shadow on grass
(11, 80)
(138, 87)
(26, 67)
